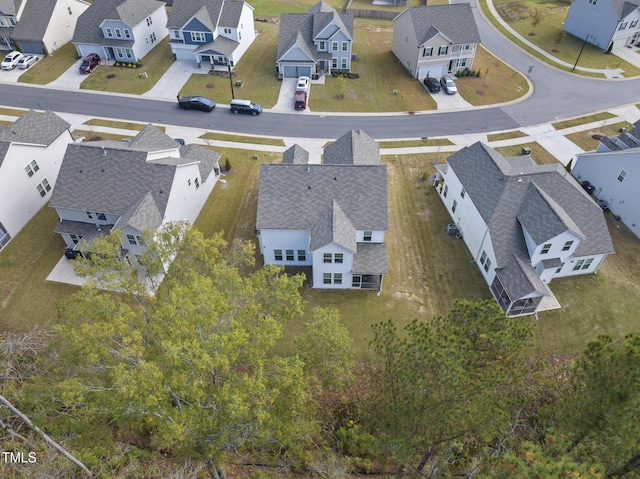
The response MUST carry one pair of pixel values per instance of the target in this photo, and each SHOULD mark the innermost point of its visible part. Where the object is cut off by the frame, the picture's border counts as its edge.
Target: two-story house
(130, 187)
(524, 224)
(31, 151)
(314, 43)
(612, 171)
(121, 30)
(604, 23)
(434, 40)
(38, 26)
(331, 217)
(211, 32)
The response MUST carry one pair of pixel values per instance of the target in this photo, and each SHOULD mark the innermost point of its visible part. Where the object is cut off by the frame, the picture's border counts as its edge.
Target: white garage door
(432, 70)
(293, 71)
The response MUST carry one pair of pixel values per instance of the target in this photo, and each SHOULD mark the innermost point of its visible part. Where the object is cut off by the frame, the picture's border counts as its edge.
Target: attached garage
(431, 70)
(34, 47)
(295, 71)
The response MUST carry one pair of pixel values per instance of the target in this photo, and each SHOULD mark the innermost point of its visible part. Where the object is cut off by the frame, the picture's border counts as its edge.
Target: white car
(11, 60)
(303, 84)
(27, 61)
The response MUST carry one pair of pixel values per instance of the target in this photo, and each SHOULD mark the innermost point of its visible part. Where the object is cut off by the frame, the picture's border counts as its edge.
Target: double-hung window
(277, 254)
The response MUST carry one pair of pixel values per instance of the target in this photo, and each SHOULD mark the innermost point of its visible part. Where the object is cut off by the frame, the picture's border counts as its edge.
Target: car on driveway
(448, 86)
(89, 63)
(300, 100)
(196, 103)
(432, 84)
(11, 60)
(26, 61)
(303, 84)
(245, 106)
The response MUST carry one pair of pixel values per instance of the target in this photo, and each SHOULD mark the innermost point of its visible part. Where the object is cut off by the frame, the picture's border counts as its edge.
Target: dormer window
(108, 32)
(127, 33)
(118, 33)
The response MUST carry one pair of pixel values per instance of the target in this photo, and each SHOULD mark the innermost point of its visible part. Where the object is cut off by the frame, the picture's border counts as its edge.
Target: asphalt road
(557, 94)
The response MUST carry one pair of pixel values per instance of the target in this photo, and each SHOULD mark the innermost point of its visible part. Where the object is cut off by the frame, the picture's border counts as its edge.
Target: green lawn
(12, 112)
(583, 120)
(538, 153)
(52, 66)
(507, 135)
(412, 143)
(124, 125)
(90, 135)
(127, 80)
(585, 140)
(256, 140)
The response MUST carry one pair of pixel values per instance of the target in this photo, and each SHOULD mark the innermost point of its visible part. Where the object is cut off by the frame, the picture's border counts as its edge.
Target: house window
(583, 264)
(149, 21)
(344, 64)
(69, 10)
(132, 240)
(322, 46)
(101, 216)
(339, 257)
(108, 32)
(483, 258)
(328, 258)
(587, 263)
(4, 236)
(152, 37)
(119, 53)
(302, 255)
(75, 238)
(545, 248)
(290, 255)
(334, 63)
(127, 33)
(406, 39)
(239, 35)
(326, 278)
(623, 26)
(277, 253)
(227, 30)
(367, 236)
(455, 48)
(487, 265)
(127, 51)
(446, 190)
(197, 183)
(345, 47)
(466, 46)
(334, 46)
(12, 20)
(337, 278)
(89, 215)
(443, 50)
(633, 24)
(31, 168)
(118, 33)
(454, 206)
(622, 175)
(427, 52)
(462, 193)
(578, 264)
(197, 37)
(43, 188)
(559, 268)
(567, 246)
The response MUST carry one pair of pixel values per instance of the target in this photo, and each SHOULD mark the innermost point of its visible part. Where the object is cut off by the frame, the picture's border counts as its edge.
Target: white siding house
(435, 40)
(524, 224)
(332, 216)
(31, 152)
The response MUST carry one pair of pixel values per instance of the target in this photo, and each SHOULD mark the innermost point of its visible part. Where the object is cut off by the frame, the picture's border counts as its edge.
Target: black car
(196, 103)
(432, 84)
(89, 63)
(245, 106)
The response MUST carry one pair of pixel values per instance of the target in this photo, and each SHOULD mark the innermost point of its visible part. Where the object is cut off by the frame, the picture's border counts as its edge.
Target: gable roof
(624, 7)
(151, 138)
(353, 148)
(131, 12)
(212, 13)
(295, 155)
(36, 128)
(454, 21)
(333, 226)
(321, 6)
(34, 20)
(10, 7)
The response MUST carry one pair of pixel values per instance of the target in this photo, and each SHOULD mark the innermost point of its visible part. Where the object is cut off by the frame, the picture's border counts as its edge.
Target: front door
(356, 282)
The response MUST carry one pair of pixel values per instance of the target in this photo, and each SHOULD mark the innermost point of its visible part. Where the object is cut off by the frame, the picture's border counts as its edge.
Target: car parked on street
(89, 63)
(432, 84)
(245, 106)
(448, 85)
(303, 84)
(196, 103)
(26, 61)
(11, 60)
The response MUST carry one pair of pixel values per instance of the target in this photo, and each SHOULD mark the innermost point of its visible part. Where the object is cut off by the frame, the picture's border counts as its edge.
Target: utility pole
(583, 44)
(229, 65)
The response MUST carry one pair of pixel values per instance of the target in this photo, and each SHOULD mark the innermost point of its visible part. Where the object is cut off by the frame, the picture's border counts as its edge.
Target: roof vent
(335, 178)
(104, 152)
(102, 169)
(308, 168)
(309, 186)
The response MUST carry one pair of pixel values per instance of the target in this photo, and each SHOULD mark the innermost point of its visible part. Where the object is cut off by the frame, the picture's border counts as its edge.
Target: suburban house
(611, 171)
(603, 22)
(331, 217)
(210, 32)
(130, 187)
(524, 224)
(434, 40)
(314, 43)
(31, 152)
(121, 30)
(38, 26)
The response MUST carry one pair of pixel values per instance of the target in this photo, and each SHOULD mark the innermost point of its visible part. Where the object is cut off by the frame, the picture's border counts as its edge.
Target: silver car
(448, 86)
(26, 61)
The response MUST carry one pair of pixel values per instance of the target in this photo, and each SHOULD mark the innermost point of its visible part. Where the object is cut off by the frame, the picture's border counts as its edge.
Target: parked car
(11, 60)
(300, 100)
(448, 86)
(26, 61)
(89, 63)
(245, 106)
(196, 103)
(432, 84)
(303, 84)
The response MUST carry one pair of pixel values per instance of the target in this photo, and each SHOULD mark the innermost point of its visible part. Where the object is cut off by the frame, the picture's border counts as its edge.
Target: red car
(90, 62)
(300, 100)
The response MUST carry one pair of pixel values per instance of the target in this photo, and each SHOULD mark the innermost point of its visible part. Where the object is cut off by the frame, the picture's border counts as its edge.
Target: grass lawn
(12, 112)
(412, 143)
(243, 139)
(51, 67)
(507, 135)
(127, 80)
(585, 140)
(583, 120)
(269, 8)
(124, 125)
(538, 153)
(99, 135)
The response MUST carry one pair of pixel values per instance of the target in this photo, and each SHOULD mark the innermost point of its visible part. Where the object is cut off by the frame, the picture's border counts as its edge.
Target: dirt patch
(513, 12)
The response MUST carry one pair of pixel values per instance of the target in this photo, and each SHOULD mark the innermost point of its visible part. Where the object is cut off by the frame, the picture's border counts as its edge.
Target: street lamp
(229, 65)
(580, 53)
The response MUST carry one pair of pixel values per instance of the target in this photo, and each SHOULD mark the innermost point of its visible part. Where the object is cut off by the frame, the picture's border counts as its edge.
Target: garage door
(292, 71)
(31, 47)
(432, 71)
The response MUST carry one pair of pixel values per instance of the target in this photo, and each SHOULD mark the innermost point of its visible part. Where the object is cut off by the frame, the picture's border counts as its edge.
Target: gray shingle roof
(222, 45)
(142, 215)
(492, 185)
(131, 12)
(454, 21)
(33, 127)
(212, 13)
(4, 147)
(295, 155)
(333, 226)
(151, 138)
(370, 258)
(10, 7)
(353, 148)
(207, 158)
(231, 11)
(34, 20)
(624, 7)
(296, 196)
(519, 279)
(609, 143)
(321, 6)
(344, 21)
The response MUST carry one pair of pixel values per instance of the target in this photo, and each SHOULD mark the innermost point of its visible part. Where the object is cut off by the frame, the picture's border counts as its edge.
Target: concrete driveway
(12, 75)
(71, 79)
(285, 98)
(168, 86)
